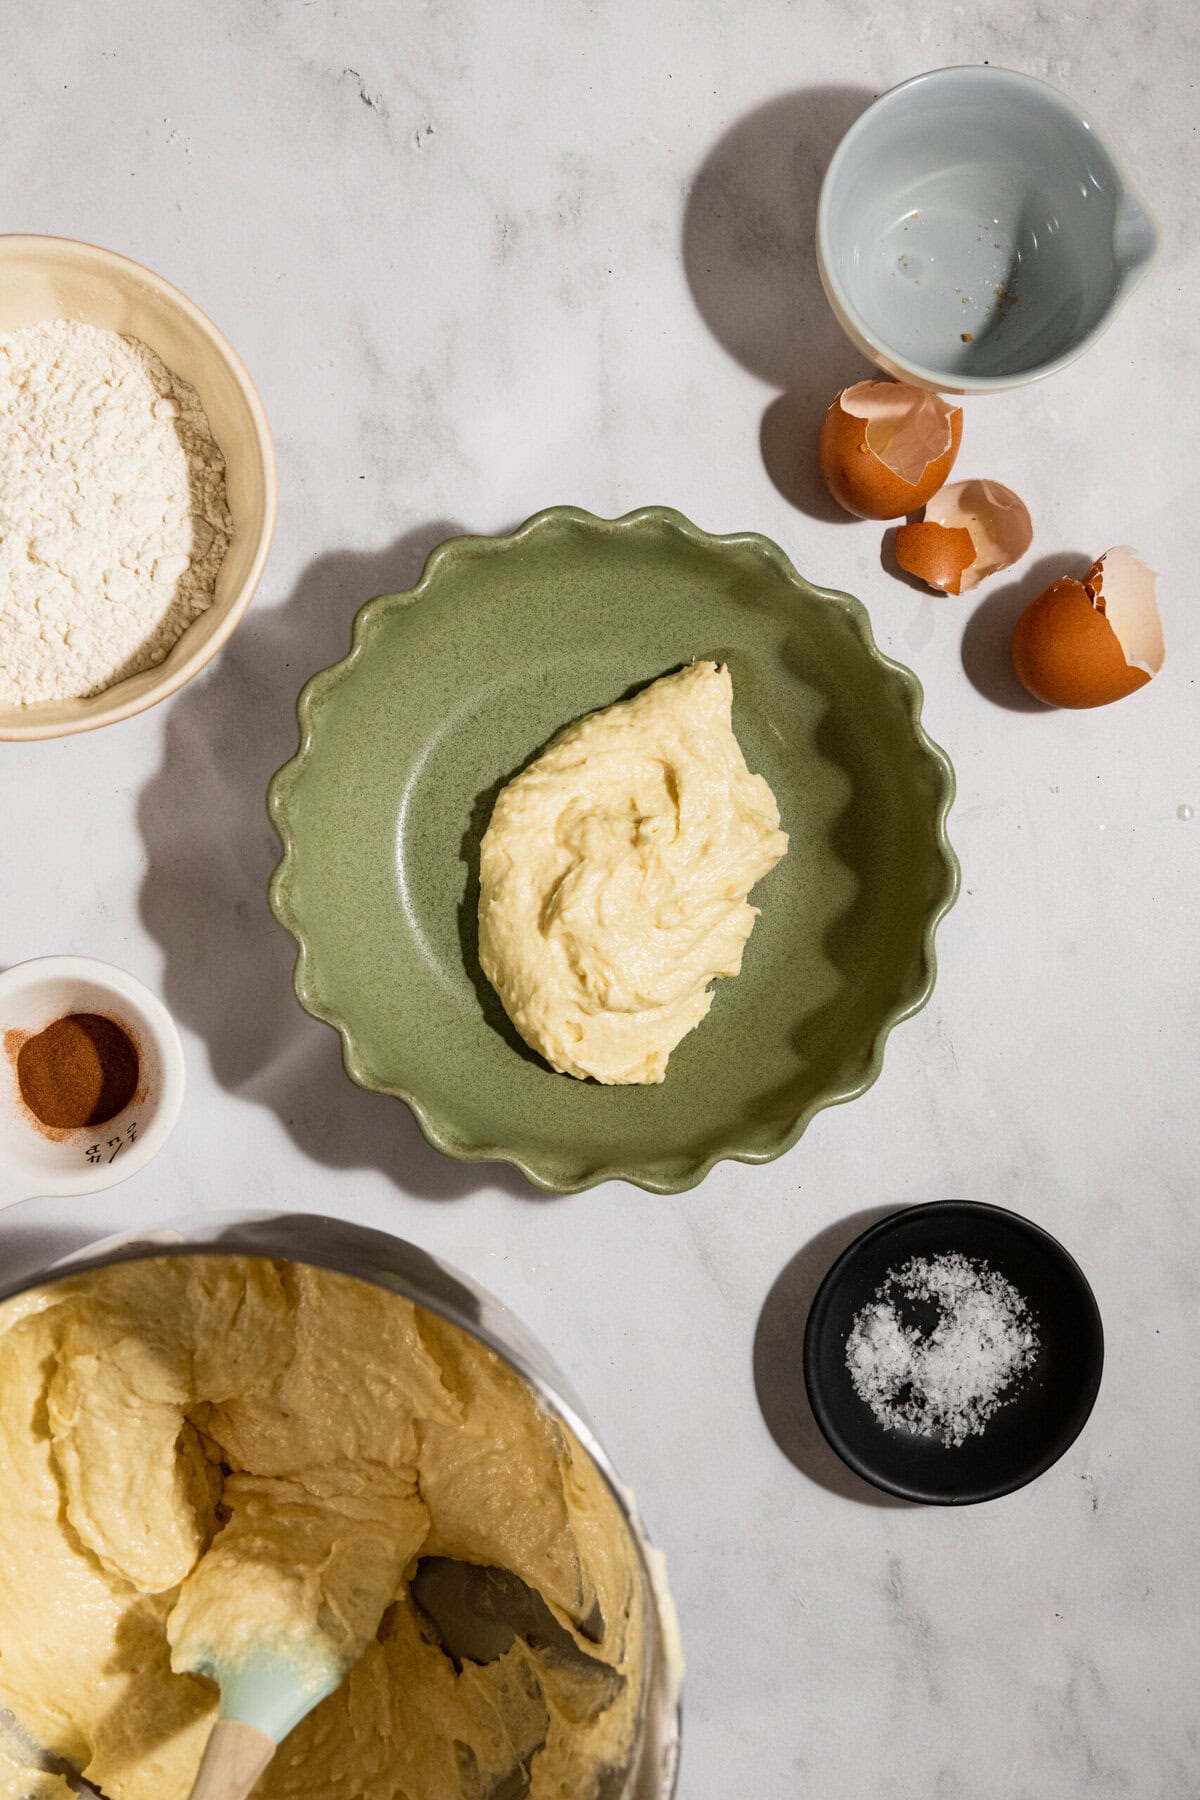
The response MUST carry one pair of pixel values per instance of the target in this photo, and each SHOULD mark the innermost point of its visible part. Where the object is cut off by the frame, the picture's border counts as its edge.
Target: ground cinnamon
(81, 1070)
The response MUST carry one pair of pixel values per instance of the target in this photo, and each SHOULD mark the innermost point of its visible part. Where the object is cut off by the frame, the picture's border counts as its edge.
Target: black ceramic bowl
(1052, 1402)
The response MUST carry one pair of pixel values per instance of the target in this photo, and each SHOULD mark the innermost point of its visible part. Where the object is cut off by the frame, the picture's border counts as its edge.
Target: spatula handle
(234, 1758)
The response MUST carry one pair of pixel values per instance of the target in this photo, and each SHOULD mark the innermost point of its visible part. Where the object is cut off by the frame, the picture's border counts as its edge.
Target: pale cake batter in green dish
(454, 688)
(205, 1453)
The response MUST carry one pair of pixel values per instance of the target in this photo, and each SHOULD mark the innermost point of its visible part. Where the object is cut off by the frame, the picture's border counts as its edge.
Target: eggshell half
(886, 448)
(1087, 643)
(997, 520)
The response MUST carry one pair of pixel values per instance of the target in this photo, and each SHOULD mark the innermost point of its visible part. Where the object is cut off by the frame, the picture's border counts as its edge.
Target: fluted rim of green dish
(560, 1176)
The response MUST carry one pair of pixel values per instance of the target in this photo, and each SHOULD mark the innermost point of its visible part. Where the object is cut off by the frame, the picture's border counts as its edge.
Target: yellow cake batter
(197, 1452)
(614, 878)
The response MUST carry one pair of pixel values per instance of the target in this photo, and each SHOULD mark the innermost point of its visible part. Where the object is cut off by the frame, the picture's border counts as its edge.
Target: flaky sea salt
(941, 1346)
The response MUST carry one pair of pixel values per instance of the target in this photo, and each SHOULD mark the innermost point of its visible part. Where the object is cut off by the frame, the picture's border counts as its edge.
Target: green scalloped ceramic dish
(452, 687)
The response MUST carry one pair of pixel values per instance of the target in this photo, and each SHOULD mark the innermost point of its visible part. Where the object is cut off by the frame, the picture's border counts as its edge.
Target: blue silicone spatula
(262, 1699)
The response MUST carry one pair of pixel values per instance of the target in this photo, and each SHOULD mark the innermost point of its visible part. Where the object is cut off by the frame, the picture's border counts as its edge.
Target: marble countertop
(482, 259)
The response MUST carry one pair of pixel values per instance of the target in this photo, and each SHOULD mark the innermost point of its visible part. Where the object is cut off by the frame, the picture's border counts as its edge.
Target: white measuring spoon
(33, 1161)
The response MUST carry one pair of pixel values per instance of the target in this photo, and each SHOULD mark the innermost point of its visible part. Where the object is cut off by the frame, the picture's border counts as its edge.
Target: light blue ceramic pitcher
(975, 231)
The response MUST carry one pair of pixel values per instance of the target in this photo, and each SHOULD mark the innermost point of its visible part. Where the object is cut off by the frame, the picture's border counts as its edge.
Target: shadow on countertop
(30, 1249)
(749, 249)
(779, 1363)
(210, 850)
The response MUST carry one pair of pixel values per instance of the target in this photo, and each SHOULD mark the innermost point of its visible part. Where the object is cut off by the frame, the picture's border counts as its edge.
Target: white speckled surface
(485, 258)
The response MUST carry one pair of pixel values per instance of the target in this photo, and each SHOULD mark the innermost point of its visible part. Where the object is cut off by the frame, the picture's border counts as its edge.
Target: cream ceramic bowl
(57, 278)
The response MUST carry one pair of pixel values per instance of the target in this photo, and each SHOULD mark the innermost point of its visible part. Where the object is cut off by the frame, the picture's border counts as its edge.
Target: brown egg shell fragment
(1067, 654)
(935, 554)
(861, 481)
(1123, 589)
(997, 519)
(907, 428)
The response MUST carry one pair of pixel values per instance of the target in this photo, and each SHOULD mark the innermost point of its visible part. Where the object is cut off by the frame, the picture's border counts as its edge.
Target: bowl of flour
(137, 487)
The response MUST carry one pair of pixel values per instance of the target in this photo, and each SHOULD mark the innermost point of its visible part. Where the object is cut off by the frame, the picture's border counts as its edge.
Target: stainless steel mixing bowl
(405, 1269)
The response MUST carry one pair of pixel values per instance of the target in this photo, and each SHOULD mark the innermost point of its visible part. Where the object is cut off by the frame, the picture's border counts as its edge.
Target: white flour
(113, 516)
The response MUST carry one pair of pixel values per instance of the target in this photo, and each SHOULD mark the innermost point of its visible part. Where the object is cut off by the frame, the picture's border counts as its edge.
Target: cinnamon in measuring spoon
(81, 1070)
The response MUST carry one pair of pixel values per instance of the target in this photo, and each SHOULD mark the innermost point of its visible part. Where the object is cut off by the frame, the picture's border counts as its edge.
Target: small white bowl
(975, 231)
(34, 1160)
(58, 278)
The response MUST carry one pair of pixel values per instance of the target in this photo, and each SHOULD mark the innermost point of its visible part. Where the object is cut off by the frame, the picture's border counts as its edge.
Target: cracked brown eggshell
(886, 447)
(1089, 642)
(938, 555)
(996, 521)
